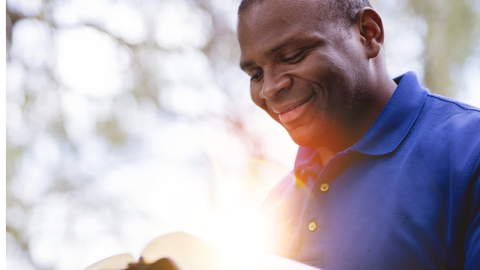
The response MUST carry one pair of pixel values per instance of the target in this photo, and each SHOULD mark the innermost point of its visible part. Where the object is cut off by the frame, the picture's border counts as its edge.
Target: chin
(305, 137)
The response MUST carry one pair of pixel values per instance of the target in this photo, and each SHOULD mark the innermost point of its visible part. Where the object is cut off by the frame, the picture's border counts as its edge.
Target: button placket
(324, 187)
(312, 226)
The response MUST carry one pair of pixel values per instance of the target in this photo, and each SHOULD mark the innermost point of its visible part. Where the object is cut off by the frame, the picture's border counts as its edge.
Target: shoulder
(450, 131)
(455, 112)
(450, 124)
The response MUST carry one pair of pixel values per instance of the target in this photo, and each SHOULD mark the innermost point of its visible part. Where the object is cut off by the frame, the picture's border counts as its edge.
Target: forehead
(265, 24)
(284, 10)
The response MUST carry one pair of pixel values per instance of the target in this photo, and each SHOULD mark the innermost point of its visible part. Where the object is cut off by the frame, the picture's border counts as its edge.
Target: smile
(293, 111)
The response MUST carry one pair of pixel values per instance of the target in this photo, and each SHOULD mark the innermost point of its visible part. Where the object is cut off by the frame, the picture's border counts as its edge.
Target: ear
(371, 31)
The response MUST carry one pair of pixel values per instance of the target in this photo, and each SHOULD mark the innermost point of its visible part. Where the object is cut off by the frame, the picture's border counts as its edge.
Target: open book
(180, 251)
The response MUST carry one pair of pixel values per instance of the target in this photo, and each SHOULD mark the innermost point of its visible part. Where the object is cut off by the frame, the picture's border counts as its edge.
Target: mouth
(291, 112)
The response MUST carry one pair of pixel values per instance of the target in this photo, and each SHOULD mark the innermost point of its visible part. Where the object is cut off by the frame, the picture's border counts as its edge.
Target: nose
(272, 85)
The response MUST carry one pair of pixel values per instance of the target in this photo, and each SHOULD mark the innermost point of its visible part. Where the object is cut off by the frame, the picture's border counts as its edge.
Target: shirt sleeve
(472, 237)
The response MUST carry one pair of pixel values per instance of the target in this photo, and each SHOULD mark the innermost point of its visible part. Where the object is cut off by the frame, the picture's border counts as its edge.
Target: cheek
(255, 95)
(316, 69)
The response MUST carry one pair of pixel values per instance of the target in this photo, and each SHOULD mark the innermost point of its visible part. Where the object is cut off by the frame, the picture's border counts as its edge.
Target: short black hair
(342, 10)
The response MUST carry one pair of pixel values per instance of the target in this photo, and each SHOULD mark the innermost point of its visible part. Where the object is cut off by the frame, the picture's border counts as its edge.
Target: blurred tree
(42, 136)
(71, 176)
(453, 32)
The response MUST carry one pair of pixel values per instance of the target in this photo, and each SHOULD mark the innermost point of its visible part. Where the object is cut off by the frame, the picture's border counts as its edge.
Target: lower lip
(291, 115)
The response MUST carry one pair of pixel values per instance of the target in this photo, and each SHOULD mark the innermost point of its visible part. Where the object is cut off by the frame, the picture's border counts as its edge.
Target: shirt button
(324, 187)
(312, 226)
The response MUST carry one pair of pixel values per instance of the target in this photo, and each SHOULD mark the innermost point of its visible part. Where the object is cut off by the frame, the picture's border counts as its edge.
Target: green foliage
(37, 112)
(453, 29)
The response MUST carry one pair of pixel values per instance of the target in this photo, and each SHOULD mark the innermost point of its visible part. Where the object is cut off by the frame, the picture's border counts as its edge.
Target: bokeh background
(128, 119)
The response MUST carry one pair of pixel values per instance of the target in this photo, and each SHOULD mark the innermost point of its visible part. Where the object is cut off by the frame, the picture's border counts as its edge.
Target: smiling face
(307, 72)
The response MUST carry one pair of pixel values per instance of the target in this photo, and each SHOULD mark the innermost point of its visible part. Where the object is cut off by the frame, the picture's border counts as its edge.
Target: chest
(376, 214)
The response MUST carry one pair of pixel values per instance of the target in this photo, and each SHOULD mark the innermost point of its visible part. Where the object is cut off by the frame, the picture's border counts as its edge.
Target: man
(387, 175)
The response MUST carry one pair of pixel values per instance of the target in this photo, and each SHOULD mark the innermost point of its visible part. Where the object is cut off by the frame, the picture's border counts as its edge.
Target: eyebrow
(244, 65)
(288, 41)
(276, 48)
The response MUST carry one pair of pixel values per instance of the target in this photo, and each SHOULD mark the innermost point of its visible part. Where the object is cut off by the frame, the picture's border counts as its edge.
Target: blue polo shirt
(405, 196)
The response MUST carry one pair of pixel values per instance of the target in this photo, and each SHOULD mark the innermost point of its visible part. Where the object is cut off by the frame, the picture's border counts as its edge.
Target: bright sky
(160, 179)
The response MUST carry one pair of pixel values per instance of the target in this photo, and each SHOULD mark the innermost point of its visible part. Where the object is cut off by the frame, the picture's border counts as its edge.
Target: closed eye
(296, 57)
(289, 59)
(256, 76)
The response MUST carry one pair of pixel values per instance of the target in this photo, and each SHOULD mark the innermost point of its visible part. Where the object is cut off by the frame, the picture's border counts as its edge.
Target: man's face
(306, 70)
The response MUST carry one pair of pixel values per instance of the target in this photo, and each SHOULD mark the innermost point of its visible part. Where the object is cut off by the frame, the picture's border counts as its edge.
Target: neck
(325, 155)
(382, 89)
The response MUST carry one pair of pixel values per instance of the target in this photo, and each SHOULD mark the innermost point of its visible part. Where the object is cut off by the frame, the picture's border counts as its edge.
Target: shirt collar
(391, 126)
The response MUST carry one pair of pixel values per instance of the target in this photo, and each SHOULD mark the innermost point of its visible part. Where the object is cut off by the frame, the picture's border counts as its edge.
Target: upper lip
(283, 108)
